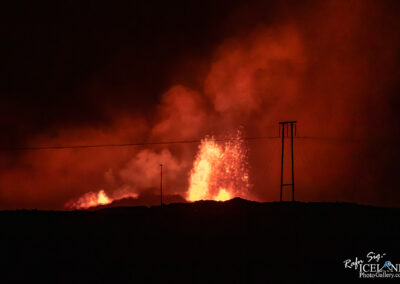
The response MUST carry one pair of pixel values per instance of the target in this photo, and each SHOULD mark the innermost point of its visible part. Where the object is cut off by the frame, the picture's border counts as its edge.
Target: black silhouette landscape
(236, 241)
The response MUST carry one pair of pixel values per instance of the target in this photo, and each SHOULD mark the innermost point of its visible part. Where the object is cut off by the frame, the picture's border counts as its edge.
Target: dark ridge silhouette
(237, 241)
(147, 199)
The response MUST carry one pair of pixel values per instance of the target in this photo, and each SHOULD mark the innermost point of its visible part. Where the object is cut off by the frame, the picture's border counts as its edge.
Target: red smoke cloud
(328, 68)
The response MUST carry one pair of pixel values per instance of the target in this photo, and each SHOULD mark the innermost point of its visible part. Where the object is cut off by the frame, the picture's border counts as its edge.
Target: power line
(34, 148)
(340, 139)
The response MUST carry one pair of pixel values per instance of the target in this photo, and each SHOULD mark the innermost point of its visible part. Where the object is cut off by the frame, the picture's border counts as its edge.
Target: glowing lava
(220, 171)
(89, 199)
(92, 199)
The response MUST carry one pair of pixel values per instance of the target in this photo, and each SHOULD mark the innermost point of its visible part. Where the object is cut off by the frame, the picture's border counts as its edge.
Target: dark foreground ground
(226, 242)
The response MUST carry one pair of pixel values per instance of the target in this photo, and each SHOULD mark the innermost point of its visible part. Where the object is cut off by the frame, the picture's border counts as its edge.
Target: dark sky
(61, 57)
(79, 72)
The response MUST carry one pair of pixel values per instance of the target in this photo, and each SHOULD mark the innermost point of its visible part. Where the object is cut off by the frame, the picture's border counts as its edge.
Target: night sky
(101, 72)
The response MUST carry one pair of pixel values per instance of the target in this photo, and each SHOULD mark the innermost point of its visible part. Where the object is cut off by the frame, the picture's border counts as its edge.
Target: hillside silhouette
(146, 199)
(236, 241)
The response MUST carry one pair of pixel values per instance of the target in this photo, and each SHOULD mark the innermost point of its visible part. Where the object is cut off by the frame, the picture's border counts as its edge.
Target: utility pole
(161, 203)
(292, 125)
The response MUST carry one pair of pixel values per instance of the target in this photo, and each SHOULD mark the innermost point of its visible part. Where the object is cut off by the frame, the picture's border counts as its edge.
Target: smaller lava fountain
(89, 199)
(220, 171)
(93, 199)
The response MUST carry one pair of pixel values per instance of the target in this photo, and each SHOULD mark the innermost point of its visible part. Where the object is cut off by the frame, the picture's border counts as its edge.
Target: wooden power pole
(161, 203)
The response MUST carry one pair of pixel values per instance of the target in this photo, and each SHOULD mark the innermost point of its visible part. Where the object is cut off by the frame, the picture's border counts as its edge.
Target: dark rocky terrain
(237, 241)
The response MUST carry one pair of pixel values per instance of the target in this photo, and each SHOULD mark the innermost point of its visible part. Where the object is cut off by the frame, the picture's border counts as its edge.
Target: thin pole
(291, 136)
(283, 143)
(161, 203)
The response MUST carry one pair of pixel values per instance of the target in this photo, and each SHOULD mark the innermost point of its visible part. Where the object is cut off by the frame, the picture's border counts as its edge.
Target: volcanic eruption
(250, 66)
(219, 171)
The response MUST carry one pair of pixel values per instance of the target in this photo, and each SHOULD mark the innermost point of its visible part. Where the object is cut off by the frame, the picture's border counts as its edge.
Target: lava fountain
(93, 199)
(89, 199)
(220, 170)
